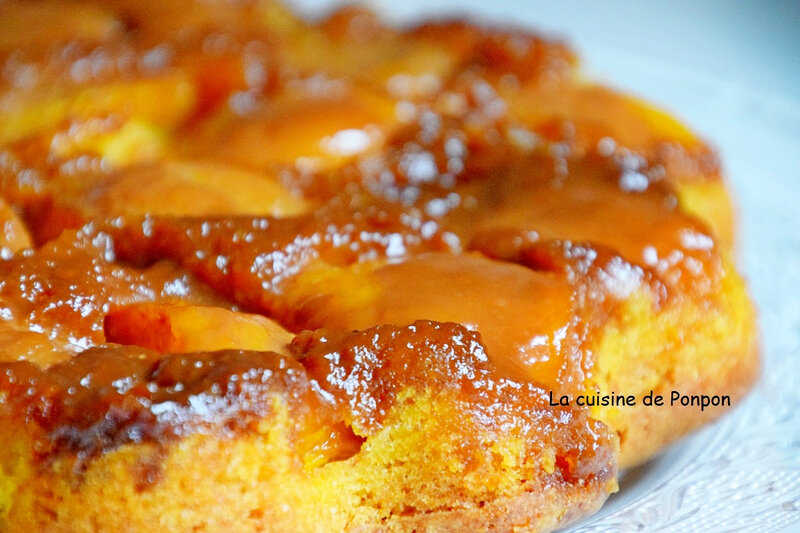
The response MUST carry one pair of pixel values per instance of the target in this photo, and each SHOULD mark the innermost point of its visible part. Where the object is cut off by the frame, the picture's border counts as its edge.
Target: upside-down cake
(265, 274)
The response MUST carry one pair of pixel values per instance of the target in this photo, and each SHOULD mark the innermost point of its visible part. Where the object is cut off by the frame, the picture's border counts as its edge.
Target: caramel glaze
(597, 227)
(366, 371)
(255, 263)
(463, 169)
(179, 47)
(63, 290)
(249, 260)
(501, 302)
(109, 396)
(590, 204)
(259, 265)
(500, 186)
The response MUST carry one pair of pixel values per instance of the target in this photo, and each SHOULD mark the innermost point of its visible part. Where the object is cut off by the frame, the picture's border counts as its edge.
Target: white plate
(742, 473)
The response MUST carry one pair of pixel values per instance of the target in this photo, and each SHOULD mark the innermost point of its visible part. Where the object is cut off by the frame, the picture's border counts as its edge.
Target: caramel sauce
(501, 302)
(63, 290)
(108, 396)
(594, 201)
(475, 238)
(366, 371)
(249, 260)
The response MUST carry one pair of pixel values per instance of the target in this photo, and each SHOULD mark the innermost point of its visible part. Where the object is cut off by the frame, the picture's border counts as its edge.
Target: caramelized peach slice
(118, 141)
(593, 114)
(523, 317)
(174, 188)
(17, 343)
(533, 201)
(165, 101)
(40, 24)
(14, 235)
(191, 328)
(313, 127)
(596, 112)
(195, 188)
(64, 289)
(359, 46)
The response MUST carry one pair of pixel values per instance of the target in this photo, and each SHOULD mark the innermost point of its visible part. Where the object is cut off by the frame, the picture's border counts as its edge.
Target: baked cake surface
(266, 274)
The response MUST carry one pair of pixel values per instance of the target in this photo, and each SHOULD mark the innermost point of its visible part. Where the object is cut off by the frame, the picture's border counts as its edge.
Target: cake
(261, 273)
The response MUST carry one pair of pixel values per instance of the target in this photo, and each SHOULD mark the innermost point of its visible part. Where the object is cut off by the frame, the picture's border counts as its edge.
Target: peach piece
(197, 188)
(193, 328)
(13, 233)
(17, 343)
(315, 130)
(163, 101)
(40, 24)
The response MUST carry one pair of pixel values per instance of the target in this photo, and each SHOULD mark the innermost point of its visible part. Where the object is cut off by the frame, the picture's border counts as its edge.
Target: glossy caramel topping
(106, 397)
(250, 259)
(366, 373)
(64, 289)
(503, 303)
(594, 200)
(110, 396)
(487, 177)
(334, 175)
(367, 370)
